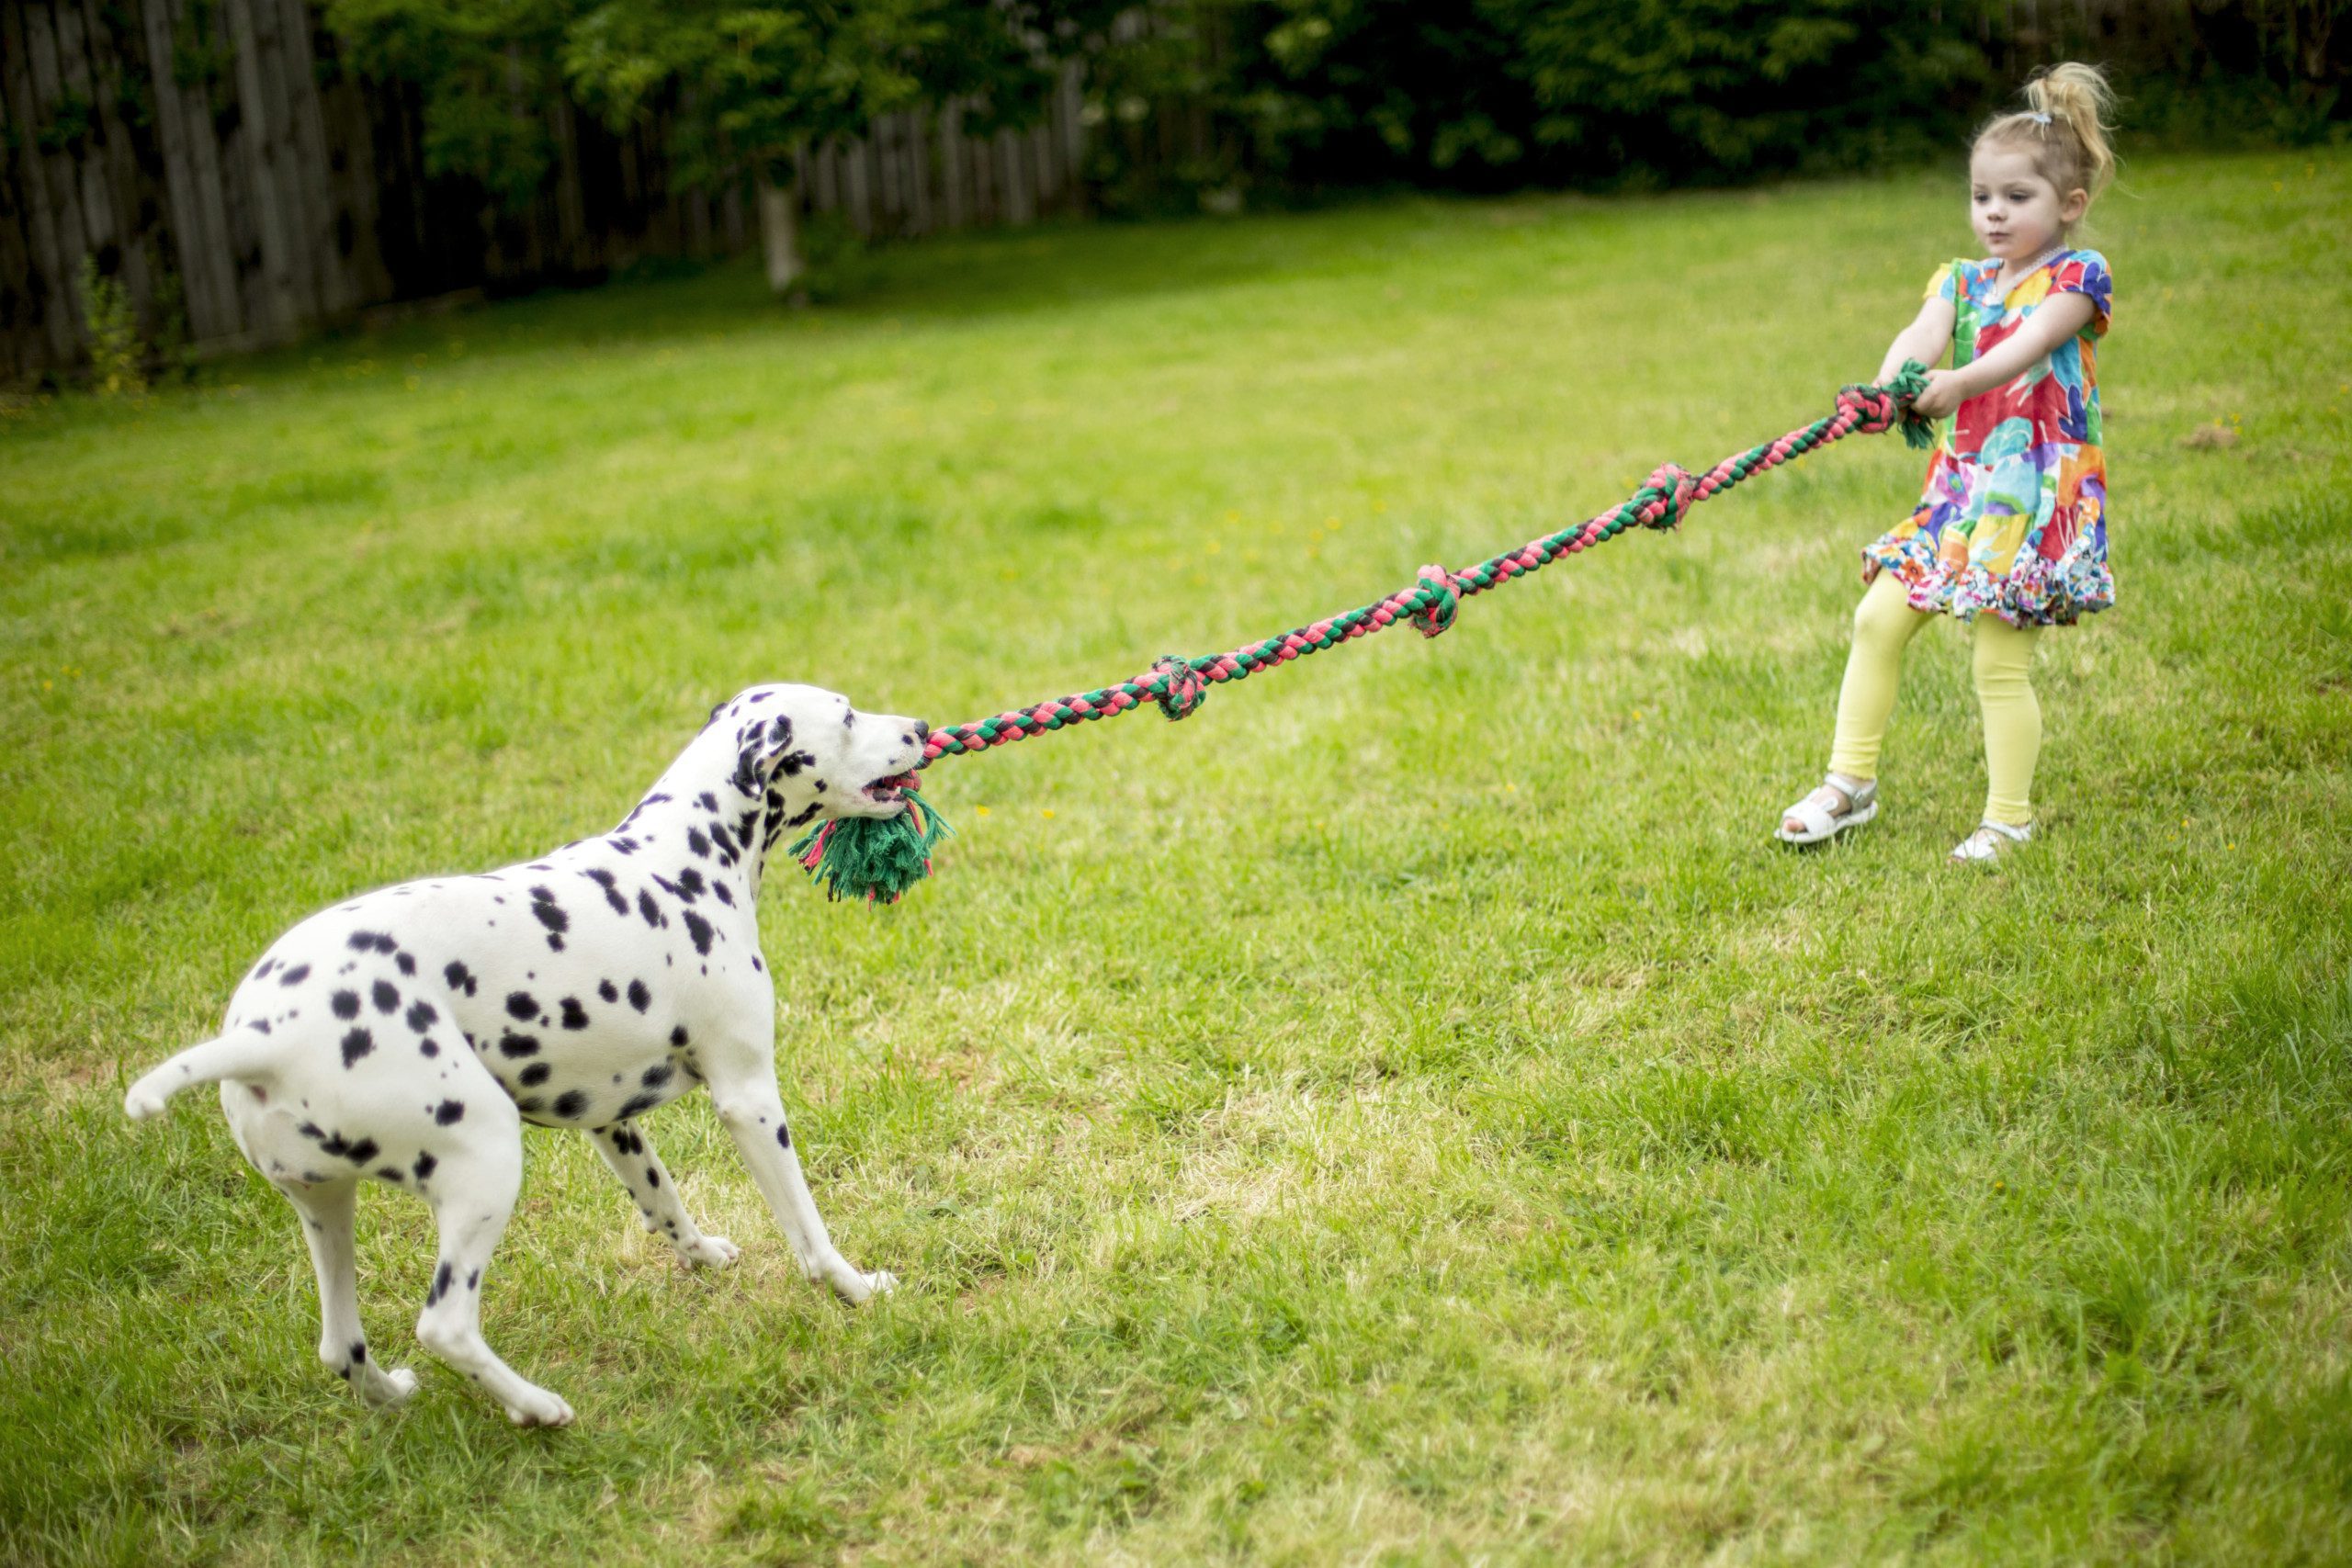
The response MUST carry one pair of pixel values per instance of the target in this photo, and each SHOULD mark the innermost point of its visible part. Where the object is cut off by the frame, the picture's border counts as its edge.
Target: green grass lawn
(1411, 1111)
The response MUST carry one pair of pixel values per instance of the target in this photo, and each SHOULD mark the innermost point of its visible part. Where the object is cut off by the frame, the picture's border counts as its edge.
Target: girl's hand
(1943, 394)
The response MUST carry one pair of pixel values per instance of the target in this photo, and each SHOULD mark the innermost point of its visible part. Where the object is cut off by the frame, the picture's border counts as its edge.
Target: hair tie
(2039, 118)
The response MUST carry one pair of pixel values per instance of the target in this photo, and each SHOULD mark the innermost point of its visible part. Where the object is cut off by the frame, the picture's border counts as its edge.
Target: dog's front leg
(753, 1114)
(640, 1170)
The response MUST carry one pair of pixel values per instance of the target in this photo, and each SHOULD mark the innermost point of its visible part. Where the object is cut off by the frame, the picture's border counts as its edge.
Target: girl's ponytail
(2066, 128)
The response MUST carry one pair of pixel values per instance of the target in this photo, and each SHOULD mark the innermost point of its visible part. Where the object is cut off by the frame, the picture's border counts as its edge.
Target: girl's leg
(2004, 660)
(1884, 624)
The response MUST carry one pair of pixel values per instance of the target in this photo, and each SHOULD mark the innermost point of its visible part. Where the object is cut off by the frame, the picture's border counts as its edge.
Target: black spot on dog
(574, 1015)
(638, 996)
(802, 818)
(652, 1179)
(699, 842)
(603, 879)
(385, 995)
(473, 1279)
(637, 1104)
(782, 1136)
(428, 1048)
(362, 1151)
(459, 977)
(512, 1044)
(625, 1140)
(521, 1005)
(657, 1075)
(449, 1113)
(678, 1037)
(355, 1044)
(708, 801)
(370, 941)
(405, 964)
(548, 912)
(607, 990)
(571, 1103)
(724, 896)
(424, 1166)
(359, 1347)
(422, 1015)
(625, 846)
(532, 1106)
(690, 880)
(649, 909)
(535, 1075)
(346, 1004)
(441, 1278)
(673, 889)
(391, 1173)
(698, 929)
(793, 761)
(264, 967)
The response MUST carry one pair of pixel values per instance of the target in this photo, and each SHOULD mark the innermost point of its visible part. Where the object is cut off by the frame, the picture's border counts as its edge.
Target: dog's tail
(244, 1055)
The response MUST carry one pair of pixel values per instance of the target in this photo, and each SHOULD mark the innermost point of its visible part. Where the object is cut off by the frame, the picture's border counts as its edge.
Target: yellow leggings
(1883, 625)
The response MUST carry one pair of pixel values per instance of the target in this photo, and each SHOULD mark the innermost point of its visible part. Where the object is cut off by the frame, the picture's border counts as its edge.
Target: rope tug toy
(878, 858)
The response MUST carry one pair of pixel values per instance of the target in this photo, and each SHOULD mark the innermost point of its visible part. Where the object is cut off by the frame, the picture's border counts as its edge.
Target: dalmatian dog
(406, 1036)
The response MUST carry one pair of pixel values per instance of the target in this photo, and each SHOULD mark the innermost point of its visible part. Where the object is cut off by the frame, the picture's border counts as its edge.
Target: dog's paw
(711, 1252)
(537, 1408)
(384, 1389)
(143, 1104)
(858, 1289)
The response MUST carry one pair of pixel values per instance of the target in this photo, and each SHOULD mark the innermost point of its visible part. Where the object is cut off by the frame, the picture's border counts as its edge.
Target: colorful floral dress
(2013, 518)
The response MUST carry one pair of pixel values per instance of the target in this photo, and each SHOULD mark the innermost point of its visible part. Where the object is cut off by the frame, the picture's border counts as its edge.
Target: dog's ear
(762, 745)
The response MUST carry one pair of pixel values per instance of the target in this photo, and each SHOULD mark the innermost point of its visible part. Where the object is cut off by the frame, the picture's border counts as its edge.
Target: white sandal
(1840, 803)
(1990, 842)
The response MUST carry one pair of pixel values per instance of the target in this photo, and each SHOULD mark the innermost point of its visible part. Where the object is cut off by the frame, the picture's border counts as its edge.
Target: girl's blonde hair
(2064, 127)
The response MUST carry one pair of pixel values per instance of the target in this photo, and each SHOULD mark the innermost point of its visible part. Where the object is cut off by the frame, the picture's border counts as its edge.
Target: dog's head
(805, 754)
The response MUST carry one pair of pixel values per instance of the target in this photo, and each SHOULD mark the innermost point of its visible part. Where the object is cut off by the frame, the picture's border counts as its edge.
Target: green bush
(117, 356)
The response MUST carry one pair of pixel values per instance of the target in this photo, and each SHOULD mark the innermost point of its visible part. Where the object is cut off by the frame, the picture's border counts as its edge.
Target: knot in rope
(1880, 408)
(1439, 603)
(1673, 485)
(1182, 688)
(1873, 407)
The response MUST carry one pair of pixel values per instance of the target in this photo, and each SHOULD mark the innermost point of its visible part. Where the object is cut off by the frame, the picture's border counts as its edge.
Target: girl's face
(2017, 214)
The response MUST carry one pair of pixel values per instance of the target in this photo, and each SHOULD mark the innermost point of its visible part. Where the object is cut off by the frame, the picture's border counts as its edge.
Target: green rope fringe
(874, 859)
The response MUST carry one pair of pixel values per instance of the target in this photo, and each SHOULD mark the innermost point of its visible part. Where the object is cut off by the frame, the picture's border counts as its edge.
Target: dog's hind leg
(640, 1170)
(326, 1209)
(753, 1114)
(476, 1188)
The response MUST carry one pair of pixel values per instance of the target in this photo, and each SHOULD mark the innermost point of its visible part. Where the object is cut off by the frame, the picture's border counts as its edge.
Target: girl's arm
(2053, 322)
(1925, 340)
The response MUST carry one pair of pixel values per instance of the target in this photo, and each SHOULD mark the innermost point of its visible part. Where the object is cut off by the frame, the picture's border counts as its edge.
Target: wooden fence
(215, 160)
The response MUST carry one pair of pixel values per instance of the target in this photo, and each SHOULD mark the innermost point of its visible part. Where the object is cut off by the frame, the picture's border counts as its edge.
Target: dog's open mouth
(891, 791)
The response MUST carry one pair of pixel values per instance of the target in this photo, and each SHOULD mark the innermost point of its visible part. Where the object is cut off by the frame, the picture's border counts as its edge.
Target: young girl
(2011, 534)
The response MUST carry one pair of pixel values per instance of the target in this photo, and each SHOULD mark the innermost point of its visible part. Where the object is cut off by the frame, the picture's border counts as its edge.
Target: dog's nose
(923, 730)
